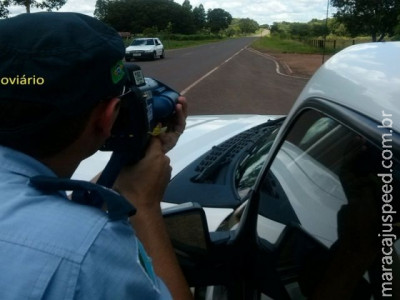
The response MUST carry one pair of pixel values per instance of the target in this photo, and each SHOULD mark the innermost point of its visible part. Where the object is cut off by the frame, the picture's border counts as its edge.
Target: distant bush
(275, 43)
(192, 37)
(173, 41)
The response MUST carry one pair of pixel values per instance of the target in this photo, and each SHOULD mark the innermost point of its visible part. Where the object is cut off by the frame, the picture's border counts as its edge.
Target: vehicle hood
(201, 134)
(141, 48)
(204, 132)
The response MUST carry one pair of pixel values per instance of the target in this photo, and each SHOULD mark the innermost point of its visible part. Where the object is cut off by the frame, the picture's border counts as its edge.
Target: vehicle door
(320, 221)
(326, 211)
(159, 47)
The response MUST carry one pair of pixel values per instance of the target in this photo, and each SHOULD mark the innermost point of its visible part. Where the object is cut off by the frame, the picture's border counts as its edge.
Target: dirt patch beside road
(303, 65)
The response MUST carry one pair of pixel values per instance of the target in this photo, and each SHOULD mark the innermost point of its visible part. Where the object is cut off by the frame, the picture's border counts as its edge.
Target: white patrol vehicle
(282, 194)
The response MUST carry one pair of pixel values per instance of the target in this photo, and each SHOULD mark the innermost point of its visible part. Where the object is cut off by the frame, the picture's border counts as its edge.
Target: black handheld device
(145, 103)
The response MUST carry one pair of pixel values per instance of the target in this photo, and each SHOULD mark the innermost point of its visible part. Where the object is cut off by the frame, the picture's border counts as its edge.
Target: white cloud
(262, 11)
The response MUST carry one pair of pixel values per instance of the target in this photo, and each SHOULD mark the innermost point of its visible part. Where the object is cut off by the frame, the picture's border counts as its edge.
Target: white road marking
(209, 73)
(277, 66)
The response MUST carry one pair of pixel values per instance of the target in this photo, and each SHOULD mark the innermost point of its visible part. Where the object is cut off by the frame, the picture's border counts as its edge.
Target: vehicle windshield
(249, 168)
(142, 42)
(313, 175)
(331, 191)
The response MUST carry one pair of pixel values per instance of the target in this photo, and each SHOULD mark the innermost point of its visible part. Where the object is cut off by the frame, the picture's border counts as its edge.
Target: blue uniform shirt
(53, 248)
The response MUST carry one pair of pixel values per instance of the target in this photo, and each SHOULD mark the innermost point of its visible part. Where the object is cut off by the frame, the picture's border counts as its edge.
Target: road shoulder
(302, 65)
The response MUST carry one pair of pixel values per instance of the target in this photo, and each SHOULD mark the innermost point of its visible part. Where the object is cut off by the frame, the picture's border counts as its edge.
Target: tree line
(48, 5)
(137, 16)
(165, 15)
(377, 19)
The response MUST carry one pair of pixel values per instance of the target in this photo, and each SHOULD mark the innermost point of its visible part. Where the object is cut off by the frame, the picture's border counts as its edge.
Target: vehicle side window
(330, 182)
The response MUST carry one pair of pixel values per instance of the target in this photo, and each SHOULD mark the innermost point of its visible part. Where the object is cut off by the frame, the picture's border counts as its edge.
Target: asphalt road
(226, 78)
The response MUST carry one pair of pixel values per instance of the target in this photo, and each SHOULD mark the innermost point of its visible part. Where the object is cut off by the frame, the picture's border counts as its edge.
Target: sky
(262, 11)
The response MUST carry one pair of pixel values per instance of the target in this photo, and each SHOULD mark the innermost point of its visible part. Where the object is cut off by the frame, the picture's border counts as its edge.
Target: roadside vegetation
(185, 26)
(283, 45)
(314, 37)
(138, 16)
(175, 41)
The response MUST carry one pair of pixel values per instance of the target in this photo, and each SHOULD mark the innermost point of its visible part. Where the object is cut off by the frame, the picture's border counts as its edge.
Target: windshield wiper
(227, 151)
(214, 161)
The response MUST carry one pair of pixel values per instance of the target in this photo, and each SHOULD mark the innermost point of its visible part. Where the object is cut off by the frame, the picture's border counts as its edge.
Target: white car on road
(145, 48)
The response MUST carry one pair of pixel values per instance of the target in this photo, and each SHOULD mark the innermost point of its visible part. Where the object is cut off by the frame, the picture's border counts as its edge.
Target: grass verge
(171, 43)
(176, 44)
(275, 44)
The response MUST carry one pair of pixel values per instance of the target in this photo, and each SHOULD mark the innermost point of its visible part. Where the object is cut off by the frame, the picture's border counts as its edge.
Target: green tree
(299, 30)
(150, 31)
(230, 31)
(3, 9)
(116, 14)
(199, 15)
(186, 5)
(337, 28)
(101, 8)
(318, 28)
(281, 28)
(137, 15)
(182, 21)
(397, 29)
(48, 5)
(248, 26)
(376, 18)
(218, 19)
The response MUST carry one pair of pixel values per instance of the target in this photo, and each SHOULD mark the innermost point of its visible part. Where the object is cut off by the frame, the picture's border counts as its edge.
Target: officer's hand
(144, 183)
(176, 126)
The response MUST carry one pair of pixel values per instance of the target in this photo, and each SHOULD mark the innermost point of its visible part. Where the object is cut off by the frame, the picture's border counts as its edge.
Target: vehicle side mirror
(187, 227)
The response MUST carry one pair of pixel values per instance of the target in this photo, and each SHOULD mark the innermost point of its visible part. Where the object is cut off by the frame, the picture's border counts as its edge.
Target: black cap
(67, 60)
